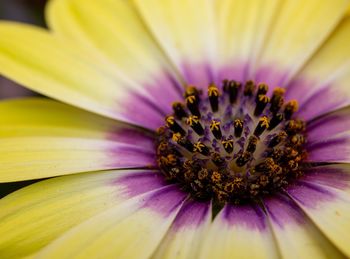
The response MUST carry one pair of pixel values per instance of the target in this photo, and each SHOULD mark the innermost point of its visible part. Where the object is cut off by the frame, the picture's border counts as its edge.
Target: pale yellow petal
(186, 32)
(131, 230)
(325, 78)
(239, 232)
(298, 30)
(32, 217)
(328, 208)
(296, 235)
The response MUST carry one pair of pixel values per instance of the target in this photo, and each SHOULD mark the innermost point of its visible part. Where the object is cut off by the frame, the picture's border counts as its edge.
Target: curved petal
(328, 208)
(296, 235)
(113, 31)
(243, 27)
(328, 125)
(239, 232)
(185, 235)
(334, 148)
(32, 217)
(60, 69)
(42, 138)
(298, 30)
(323, 84)
(131, 230)
(186, 31)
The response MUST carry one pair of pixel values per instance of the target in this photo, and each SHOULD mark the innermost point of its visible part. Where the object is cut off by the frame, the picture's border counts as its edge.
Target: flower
(204, 129)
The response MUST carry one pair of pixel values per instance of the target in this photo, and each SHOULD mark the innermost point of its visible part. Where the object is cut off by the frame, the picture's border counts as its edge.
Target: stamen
(249, 88)
(262, 101)
(201, 148)
(228, 151)
(173, 125)
(179, 110)
(252, 143)
(290, 109)
(228, 145)
(215, 129)
(232, 88)
(262, 90)
(193, 121)
(213, 93)
(277, 99)
(238, 125)
(262, 125)
(276, 119)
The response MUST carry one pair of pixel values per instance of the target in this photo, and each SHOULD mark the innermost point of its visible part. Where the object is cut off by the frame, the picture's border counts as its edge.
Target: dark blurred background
(27, 11)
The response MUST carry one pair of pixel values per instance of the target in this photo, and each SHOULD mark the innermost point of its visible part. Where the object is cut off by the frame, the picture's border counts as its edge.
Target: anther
(252, 143)
(173, 125)
(276, 119)
(199, 147)
(290, 108)
(262, 90)
(215, 129)
(243, 159)
(232, 89)
(217, 160)
(182, 141)
(294, 126)
(179, 110)
(249, 88)
(213, 93)
(261, 102)
(277, 99)
(192, 103)
(228, 145)
(238, 125)
(281, 136)
(193, 121)
(263, 124)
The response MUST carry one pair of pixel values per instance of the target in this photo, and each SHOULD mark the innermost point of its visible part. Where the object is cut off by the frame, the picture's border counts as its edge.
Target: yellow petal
(132, 229)
(111, 30)
(297, 31)
(325, 78)
(185, 235)
(243, 27)
(42, 138)
(328, 208)
(239, 232)
(44, 117)
(41, 61)
(186, 31)
(297, 236)
(24, 158)
(32, 217)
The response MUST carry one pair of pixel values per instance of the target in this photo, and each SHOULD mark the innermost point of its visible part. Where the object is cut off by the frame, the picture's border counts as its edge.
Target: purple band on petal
(137, 183)
(133, 136)
(271, 76)
(337, 177)
(282, 211)
(309, 195)
(329, 125)
(148, 110)
(124, 156)
(237, 72)
(166, 200)
(248, 216)
(332, 150)
(200, 75)
(192, 215)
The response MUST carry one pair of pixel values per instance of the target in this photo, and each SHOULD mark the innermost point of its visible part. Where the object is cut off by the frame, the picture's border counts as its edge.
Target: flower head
(202, 129)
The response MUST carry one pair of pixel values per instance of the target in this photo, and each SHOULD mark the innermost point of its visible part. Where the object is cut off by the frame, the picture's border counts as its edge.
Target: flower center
(232, 145)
